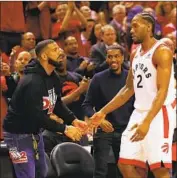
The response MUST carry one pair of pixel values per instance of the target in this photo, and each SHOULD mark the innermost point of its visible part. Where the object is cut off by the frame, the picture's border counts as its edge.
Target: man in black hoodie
(36, 97)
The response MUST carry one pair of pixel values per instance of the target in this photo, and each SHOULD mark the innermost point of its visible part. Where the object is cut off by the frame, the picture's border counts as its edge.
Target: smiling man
(103, 88)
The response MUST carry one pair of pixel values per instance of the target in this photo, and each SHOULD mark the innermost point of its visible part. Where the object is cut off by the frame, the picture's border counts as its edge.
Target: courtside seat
(72, 160)
(50, 173)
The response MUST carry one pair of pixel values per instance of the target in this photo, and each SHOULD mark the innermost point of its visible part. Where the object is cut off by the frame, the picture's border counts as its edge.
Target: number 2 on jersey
(139, 85)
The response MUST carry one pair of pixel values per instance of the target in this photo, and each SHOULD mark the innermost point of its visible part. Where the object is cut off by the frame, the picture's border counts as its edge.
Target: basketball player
(148, 136)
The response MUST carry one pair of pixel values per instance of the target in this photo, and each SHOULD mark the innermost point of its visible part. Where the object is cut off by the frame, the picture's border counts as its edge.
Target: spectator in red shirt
(70, 22)
(12, 24)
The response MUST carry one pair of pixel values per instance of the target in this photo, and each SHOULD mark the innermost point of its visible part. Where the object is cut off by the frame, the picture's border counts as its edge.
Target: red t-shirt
(73, 30)
(73, 27)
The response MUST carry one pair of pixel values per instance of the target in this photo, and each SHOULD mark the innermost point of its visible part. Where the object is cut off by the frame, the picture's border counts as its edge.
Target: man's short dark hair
(66, 39)
(41, 45)
(149, 18)
(112, 47)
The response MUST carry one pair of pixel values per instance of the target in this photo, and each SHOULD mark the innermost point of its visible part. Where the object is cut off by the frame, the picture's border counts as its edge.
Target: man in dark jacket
(36, 97)
(103, 88)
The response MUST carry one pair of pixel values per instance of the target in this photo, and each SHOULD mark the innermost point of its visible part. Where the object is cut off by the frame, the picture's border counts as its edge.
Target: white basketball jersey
(145, 77)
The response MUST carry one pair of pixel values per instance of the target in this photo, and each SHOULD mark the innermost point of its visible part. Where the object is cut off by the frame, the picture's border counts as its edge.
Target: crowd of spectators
(84, 30)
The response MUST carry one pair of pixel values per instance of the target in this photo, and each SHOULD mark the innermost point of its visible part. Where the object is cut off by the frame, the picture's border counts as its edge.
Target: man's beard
(60, 69)
(54, 63)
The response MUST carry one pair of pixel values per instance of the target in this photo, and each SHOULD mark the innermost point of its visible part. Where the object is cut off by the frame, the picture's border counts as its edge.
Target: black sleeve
(101, 67)
(63, 112)
(79, 77)
(98, 59)
(91, 98)
(34, 102)
(11, 84)
(79, 71)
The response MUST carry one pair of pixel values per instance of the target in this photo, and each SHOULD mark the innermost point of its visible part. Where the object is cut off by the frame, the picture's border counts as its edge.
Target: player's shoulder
(163, 52)
(165, 45)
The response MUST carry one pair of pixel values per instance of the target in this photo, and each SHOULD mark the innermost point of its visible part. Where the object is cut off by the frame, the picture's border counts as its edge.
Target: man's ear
(149, 27)
(44, 56)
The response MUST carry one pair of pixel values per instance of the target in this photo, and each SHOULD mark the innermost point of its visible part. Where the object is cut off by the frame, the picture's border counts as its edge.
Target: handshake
(80, 128)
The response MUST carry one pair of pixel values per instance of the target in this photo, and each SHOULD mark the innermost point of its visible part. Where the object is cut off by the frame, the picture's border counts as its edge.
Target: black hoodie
(37, 95)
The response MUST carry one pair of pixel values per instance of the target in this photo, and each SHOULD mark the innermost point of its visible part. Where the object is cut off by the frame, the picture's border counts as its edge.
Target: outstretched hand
(81, 125)
(106, 126)
(96, 119)
(73, 133)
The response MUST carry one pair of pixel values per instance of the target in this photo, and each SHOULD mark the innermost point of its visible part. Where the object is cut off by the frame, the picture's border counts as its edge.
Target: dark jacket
(74, 63)
(12, 82)
(98, 56)
(37, 95)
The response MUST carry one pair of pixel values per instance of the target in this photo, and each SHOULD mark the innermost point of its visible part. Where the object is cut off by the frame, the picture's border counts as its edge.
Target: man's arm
(83, 86)
(80, 16)
(82, 67)
(34, 108)
(91, 97)
(162, 59)
(68, 99)
(65, 22)
(62, 111)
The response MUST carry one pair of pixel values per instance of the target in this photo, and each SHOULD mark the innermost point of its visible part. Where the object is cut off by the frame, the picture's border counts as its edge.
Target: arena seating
(72, 160)
(51, 172)
(67, 160)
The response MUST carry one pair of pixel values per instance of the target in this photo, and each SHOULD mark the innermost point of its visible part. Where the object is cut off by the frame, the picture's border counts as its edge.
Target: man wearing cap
(36, 97)
(103, 88)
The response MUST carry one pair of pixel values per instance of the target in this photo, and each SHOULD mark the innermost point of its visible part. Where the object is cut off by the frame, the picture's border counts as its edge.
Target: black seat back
(50, 173)
(72, 160)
